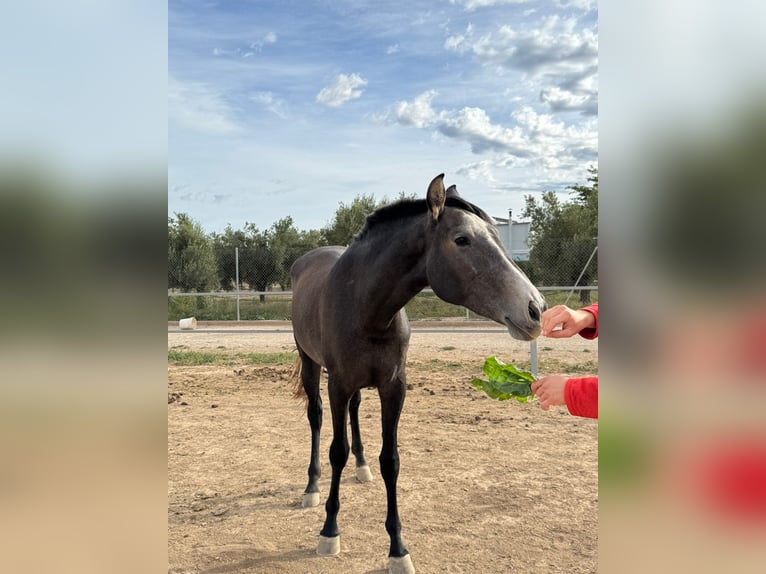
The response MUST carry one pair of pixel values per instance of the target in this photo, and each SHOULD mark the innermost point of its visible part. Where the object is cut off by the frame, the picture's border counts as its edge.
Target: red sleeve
(591, 333)
(581, 396)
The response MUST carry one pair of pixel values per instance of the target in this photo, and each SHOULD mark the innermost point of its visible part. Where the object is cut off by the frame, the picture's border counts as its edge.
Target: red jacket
(581, 394)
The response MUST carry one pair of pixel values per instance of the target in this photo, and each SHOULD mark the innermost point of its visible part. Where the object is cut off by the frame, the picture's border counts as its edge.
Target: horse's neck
(391, 271)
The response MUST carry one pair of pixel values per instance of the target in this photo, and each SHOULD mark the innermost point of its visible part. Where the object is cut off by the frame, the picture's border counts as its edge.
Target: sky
(283, 108)
(80, 95)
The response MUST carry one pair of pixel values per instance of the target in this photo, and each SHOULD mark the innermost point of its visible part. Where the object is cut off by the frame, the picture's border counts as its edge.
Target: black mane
(412, 207)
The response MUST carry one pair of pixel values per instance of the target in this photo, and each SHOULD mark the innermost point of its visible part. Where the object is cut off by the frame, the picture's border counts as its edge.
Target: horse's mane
(411, 207)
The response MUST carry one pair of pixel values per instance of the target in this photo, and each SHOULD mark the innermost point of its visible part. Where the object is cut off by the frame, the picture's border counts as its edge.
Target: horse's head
(467, 265)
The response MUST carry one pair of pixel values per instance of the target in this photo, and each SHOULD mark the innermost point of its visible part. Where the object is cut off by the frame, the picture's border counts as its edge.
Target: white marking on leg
(400, 565)
(328, 546)
(363, 473)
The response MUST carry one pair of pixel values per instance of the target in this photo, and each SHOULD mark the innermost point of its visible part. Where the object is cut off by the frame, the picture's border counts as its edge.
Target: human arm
(581, 321)
(580, 395)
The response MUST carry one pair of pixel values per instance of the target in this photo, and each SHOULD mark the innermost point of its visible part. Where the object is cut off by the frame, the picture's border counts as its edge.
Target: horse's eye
(462, 241)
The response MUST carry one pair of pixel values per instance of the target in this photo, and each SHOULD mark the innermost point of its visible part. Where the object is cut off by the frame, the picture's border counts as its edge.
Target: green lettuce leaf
(505, 381)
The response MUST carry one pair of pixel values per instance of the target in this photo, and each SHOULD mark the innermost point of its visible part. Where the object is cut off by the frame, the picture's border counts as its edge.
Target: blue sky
(290, 107)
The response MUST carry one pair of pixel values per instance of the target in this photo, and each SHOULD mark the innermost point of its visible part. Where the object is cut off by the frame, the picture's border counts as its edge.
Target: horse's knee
(339, 453)
(389, 464)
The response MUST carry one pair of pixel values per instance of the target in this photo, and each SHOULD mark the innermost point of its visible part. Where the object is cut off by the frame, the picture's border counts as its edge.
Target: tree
(224, 245)
(191, 261)
(265, 257)
(563, 237)
(288, 244)
(258, 263)
(349, 220)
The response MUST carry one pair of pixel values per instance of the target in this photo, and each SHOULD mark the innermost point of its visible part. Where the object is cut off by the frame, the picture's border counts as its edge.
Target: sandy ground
(484, 486)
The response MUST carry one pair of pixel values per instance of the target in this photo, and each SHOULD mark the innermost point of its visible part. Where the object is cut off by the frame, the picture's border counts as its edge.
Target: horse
(348, 318)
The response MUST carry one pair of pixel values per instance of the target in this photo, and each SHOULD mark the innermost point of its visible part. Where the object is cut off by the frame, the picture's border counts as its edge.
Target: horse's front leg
(363, 473)
(329, 536)
(391, 400)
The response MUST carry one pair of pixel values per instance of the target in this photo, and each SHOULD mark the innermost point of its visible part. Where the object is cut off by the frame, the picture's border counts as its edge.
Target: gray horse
(348, 317)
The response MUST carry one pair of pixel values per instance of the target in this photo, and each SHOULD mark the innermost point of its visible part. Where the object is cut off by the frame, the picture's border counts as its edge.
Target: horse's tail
(294, 379)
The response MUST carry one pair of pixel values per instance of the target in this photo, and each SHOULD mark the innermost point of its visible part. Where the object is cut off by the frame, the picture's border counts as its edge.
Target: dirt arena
(484, 486)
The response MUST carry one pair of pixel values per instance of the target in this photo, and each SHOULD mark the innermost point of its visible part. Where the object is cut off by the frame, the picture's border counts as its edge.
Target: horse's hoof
(310, 499)
(400, 565)
(363, 473)
(329, 546)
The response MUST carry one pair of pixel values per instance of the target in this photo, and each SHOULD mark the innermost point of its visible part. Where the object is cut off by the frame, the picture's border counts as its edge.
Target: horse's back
(316, 262)
(309, 276)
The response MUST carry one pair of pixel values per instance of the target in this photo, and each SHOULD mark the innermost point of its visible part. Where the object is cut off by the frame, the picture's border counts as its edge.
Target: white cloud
(199, 107)
(554, 46)
(268, 38)
(418, 112)
(471, 5)
(474, 126)
(272, 103)
(557, 55)
(584, 5)
(248, 50)
(561, 100)
(459, 43)
(577, 91)
(185, 193)
(478, 171)
(532, 139)
(392, 49)
(343, 90)
(179, 187)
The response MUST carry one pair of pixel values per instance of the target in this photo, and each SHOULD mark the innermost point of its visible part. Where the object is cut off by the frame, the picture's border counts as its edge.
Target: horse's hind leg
(310, 374)
(363, 473)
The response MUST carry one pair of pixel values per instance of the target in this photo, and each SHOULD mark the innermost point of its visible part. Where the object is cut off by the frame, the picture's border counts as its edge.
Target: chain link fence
(250, 284)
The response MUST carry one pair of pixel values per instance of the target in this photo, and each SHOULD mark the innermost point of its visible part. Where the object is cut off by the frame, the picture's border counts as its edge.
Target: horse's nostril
(534, 311)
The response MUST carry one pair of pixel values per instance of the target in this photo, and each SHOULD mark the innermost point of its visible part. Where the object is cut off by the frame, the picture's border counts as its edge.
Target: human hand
(571, 321)
(550, 390)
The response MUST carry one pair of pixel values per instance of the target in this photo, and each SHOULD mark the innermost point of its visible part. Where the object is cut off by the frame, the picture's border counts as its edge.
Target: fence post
(236, 272)
(533, 357)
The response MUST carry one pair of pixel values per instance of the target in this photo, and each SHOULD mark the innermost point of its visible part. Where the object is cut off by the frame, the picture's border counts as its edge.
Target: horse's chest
(371, 357)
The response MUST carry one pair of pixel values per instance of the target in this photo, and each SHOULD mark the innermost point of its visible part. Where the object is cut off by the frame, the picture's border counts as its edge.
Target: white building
(515, 237)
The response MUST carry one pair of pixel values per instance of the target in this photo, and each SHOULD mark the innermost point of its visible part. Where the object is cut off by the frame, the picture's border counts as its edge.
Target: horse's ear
(436, 196)
(452, 191)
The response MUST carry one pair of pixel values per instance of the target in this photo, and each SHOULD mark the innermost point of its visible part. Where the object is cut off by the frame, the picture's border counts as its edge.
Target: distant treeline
(563, 236)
